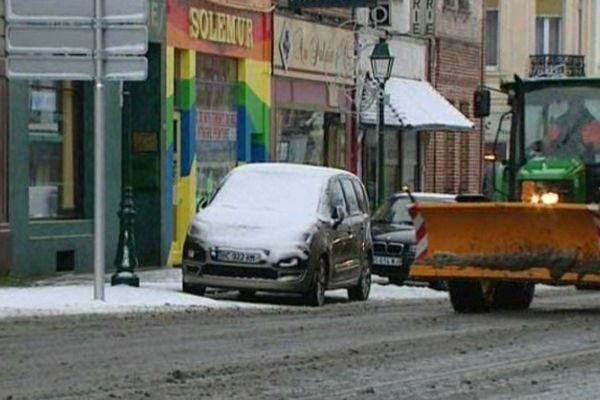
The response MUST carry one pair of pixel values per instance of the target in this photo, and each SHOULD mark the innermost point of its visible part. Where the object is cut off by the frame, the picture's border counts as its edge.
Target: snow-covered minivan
(285, 228)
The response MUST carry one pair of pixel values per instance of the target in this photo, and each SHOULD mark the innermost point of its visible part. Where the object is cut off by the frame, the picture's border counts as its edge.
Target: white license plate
(391, 261)
(238, 257)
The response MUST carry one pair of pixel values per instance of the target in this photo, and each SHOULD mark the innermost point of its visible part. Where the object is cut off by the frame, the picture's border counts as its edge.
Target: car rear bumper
(247, 277)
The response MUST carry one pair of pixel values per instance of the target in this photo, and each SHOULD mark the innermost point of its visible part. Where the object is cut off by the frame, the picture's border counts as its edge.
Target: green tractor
(554, 148)
(539, 224)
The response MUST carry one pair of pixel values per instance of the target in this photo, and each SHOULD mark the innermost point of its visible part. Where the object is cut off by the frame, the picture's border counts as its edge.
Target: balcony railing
(556, 65)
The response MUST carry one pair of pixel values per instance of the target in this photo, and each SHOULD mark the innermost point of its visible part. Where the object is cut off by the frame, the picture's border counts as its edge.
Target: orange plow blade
(556, 244)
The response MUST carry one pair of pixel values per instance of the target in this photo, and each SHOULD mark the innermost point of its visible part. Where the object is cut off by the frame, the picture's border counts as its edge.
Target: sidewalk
(160, 290)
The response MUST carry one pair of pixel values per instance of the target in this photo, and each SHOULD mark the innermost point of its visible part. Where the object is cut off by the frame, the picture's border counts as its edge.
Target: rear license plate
(391, 261)
(241, 257)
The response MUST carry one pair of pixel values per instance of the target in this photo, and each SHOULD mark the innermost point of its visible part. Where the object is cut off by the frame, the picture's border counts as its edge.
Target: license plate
(391, 261)
(241, 257)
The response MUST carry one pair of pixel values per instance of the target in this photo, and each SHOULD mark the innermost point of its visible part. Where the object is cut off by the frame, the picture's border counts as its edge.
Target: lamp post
(382, 63)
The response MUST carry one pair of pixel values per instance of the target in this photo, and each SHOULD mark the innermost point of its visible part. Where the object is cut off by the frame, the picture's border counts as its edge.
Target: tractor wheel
(470, 296)
(513, 295)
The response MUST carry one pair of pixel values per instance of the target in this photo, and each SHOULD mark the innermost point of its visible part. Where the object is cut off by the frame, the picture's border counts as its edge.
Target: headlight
(550, 198)
(543, 193)
(288, 262)
(193, 251)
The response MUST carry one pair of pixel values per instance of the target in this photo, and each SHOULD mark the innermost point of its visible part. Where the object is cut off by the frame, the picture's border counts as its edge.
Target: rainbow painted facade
(218, 102)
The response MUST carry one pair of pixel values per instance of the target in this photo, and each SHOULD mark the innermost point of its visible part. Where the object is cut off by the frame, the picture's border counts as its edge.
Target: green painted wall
(144, 118)
(35, 244)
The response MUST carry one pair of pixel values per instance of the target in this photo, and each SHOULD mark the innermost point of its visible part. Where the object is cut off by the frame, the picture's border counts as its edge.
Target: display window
(54, 128)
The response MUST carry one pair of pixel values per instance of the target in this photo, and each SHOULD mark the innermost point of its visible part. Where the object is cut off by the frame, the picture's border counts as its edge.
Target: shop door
(335, 141)
(178, 234)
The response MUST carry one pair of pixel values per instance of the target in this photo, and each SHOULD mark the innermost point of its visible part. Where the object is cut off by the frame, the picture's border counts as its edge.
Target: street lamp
(382, 63)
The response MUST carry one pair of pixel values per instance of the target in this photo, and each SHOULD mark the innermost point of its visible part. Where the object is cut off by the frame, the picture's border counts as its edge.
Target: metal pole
(99, 161)
(380, 145)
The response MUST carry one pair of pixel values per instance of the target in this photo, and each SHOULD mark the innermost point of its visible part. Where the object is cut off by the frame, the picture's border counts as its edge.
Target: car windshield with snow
(285, 228)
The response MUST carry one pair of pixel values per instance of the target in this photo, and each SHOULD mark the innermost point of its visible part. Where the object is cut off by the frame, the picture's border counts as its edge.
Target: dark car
(394, 241)
(285, 228)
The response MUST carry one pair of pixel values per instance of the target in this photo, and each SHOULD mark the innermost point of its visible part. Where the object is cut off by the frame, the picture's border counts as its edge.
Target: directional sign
(74, 11)
(75, 40)
(81, 68)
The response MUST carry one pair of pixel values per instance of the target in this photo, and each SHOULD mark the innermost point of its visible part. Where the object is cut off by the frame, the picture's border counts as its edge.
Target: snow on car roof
(296, 169)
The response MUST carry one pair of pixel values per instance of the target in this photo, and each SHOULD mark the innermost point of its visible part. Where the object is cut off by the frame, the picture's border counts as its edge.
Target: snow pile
(161, 291)
(78, 299)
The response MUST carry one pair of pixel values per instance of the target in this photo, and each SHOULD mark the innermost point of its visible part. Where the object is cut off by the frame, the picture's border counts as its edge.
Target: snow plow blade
(556, 244)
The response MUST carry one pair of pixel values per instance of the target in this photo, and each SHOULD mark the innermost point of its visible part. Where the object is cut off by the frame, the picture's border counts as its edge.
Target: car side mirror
(337, 216)
(482, 103)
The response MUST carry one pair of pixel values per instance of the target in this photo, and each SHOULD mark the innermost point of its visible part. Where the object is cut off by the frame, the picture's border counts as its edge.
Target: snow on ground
(160, 291)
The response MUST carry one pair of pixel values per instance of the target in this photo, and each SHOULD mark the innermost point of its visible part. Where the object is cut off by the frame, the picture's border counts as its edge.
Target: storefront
(413, 107)
(312, 93)
(217, 102)
(51, 175)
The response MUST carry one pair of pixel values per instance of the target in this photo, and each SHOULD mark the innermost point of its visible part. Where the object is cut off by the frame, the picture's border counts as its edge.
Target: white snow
(160, 291)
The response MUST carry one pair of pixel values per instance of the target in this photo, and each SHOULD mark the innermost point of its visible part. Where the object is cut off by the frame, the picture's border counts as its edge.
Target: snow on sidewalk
(160, 291)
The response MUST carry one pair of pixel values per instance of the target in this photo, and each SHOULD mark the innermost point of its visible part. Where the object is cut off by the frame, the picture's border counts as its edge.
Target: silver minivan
(285, 228)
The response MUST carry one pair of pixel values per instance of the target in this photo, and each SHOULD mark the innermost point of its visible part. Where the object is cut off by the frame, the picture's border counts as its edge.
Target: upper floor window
(548, 35)
(491, 38)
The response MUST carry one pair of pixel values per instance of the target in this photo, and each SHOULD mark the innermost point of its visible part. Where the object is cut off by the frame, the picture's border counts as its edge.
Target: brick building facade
(454, 160)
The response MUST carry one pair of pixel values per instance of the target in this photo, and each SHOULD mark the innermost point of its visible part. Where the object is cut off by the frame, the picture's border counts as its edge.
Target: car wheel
(247, 294)
(193, 289)
(361, 291)
(316, 295)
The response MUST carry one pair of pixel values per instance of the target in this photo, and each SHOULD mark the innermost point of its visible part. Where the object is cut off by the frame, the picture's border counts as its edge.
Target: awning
(417, 105)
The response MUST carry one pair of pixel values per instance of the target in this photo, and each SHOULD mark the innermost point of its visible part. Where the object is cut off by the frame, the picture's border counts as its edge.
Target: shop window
(311, 137)
(217, 101)
(55, 168)
(391, 170)
(301, 137)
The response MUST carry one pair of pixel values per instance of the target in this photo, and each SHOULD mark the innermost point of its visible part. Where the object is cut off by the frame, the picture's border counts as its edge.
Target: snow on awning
(417, 105)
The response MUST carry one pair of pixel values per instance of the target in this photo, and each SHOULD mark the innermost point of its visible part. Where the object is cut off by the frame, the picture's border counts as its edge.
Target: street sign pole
(99, 160)
(82, 40)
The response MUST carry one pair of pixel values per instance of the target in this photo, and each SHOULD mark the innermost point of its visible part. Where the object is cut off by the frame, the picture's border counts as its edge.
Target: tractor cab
(554, 148)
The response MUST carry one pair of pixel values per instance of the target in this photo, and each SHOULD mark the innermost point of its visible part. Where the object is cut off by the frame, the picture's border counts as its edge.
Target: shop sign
(220, 27)
(305, 47)
(422, 17)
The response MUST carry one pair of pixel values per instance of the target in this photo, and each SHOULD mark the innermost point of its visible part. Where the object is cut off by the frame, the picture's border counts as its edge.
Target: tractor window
(563, 122)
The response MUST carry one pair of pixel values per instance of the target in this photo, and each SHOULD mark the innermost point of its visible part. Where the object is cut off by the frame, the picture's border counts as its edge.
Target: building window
(217, 107)
(491, 38)
(548, 35)
(54, 125)
(301, 136)
(463, 5)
